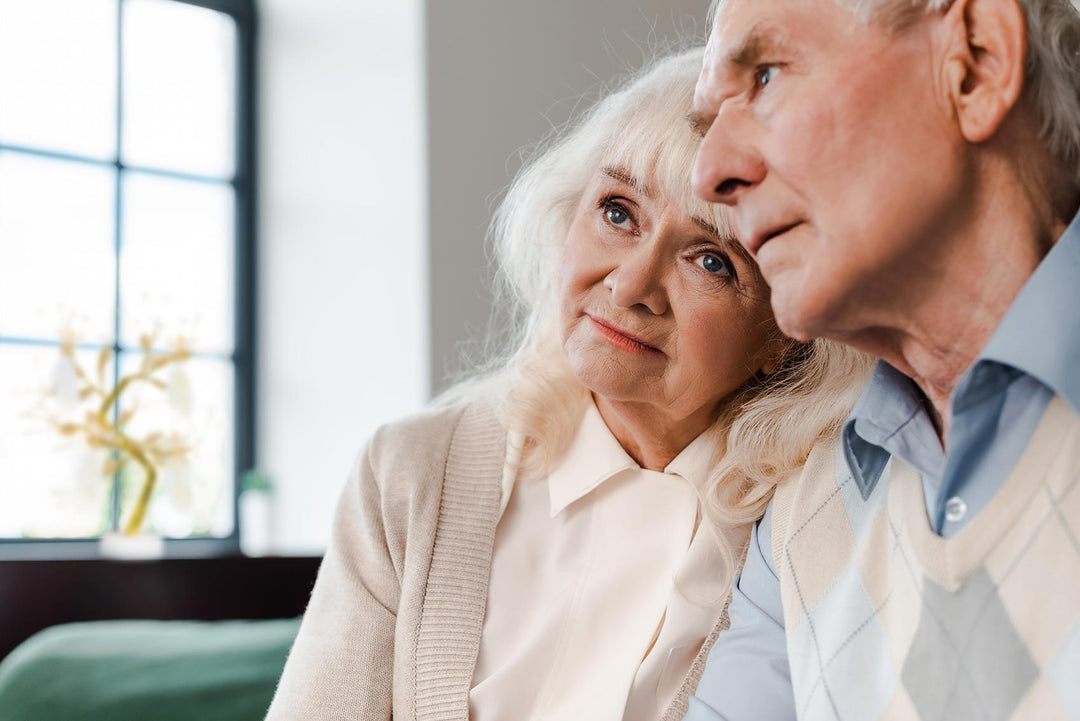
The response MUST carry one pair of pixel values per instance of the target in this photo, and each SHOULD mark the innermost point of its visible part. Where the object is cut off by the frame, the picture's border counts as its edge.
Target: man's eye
(714, 264)
(765, 75)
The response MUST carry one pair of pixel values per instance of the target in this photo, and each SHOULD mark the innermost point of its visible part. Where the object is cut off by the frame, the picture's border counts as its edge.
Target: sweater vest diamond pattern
(886, 620)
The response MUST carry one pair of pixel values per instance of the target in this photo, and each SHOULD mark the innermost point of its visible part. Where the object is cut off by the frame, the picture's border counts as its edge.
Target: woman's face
(657, 309)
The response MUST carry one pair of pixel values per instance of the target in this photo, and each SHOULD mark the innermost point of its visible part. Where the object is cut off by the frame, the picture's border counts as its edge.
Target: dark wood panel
(38, 594)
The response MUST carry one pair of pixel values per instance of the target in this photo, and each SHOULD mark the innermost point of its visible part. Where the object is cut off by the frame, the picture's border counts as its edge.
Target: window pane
(194, 496)
(58, 75)
(51, 486)
(57, 248)
(179, 87)
(176, 262)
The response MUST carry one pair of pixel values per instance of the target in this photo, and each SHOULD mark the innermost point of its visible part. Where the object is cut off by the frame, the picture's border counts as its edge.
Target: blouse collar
(595, 456)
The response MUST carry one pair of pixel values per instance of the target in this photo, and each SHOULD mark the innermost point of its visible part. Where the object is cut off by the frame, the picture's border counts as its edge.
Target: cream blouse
(602, 588)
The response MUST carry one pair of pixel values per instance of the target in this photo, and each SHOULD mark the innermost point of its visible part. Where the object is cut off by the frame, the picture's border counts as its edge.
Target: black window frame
(244, 355)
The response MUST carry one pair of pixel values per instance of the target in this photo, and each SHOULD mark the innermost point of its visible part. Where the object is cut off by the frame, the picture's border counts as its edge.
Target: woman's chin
(609, 372)
(610, 386)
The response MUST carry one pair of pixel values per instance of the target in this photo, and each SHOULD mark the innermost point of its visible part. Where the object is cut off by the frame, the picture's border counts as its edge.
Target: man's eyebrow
(699, 123)
(758, 43)
(623, 176)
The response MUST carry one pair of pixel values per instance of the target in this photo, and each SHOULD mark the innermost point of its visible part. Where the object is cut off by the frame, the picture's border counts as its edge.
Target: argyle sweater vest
(887, 620)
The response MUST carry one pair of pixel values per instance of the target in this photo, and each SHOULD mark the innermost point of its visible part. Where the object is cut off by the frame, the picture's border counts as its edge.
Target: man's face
(835, 147)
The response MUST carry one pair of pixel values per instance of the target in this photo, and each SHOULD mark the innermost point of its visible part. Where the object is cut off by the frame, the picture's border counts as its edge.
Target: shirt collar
(594, 456)
(889, 402)
(1039, 335)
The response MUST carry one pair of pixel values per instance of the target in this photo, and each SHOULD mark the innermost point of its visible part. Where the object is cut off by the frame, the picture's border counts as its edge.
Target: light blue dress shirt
(1032, 356)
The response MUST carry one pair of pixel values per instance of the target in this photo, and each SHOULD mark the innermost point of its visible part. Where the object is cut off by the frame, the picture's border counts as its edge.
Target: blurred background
(235, 237)
(293, 196)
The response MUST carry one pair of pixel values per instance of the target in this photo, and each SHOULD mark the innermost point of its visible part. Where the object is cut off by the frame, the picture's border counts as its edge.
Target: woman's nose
(638, 280)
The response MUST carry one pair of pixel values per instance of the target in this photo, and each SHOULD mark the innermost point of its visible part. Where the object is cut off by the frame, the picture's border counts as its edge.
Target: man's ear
(984, 63)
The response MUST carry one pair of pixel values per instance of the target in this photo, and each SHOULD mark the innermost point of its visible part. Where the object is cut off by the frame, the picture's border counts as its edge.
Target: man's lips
(622, 338)
(762, 237)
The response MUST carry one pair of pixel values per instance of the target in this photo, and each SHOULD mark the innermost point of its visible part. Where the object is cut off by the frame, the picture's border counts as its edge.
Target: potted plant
(104, 427)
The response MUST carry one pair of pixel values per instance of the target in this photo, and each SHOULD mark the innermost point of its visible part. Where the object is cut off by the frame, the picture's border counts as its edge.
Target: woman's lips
(621, 338)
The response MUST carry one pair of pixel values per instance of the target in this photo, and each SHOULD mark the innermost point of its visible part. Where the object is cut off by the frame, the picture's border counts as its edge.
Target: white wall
(343, 319)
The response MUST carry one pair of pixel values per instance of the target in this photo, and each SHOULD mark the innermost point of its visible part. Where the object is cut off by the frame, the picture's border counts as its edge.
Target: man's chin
(798, 332)
(798, 318)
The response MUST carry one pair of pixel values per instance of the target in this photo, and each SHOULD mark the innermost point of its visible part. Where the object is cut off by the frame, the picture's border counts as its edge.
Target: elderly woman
(535, 547)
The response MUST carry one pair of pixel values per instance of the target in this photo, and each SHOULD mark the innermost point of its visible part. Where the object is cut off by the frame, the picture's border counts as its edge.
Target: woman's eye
(616, 215)
(714, 264)
(765, 75)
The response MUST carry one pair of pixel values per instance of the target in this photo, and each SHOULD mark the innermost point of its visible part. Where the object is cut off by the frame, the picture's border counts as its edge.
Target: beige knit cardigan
(393, 626)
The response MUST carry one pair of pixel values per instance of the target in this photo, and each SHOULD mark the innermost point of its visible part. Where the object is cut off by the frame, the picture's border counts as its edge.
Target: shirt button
(955, 509)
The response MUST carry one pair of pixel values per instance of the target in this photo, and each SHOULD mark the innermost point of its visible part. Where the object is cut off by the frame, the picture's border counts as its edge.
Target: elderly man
(907, 174)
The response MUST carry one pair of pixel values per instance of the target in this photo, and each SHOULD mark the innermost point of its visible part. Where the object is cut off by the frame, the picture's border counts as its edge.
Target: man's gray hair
(1051, 74)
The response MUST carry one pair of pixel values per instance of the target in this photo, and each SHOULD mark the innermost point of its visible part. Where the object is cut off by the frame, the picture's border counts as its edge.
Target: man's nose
(727, 166)
(638, 280)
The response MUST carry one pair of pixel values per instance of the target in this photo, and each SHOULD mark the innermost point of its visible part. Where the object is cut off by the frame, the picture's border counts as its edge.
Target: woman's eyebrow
(710, 229)
(626, 178)
(723, 239)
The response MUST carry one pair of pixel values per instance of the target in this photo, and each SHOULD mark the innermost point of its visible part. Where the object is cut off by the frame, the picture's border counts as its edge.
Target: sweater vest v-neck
(887, 620)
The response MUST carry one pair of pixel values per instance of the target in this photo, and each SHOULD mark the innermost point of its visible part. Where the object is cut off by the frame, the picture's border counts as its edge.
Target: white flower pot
(140, 547)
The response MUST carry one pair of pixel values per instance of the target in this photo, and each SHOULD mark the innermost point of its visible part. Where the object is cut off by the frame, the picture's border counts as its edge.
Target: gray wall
(500, 73)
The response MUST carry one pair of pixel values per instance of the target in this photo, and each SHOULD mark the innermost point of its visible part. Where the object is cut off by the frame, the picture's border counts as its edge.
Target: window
(126, 211)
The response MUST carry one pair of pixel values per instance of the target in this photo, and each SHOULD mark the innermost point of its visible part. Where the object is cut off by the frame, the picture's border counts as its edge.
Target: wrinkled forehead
(748, 35)
(891, 14)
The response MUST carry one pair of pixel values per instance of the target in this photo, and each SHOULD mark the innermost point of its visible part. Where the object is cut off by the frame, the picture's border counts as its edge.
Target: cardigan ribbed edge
(448, 640)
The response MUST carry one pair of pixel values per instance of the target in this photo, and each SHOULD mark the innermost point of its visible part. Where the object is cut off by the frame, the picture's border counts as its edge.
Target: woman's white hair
(1052, 67)
(766, 428)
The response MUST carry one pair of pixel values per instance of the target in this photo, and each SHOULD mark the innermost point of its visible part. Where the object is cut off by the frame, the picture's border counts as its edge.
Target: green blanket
(146, 671)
